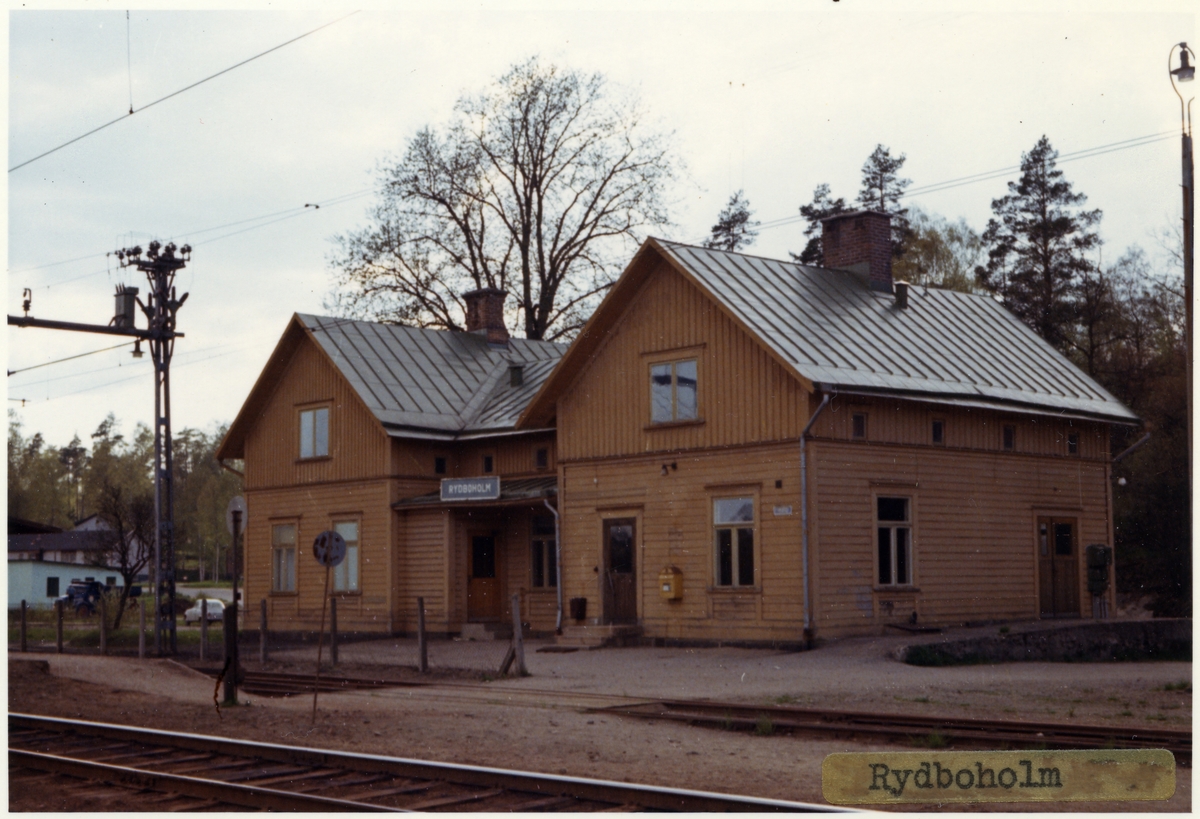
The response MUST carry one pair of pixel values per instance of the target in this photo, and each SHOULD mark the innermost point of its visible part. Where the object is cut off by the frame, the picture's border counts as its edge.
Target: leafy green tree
(939, 253)
(38, 482)
(735, 227)
(202, 492)
(1037, 243)
(538, 186)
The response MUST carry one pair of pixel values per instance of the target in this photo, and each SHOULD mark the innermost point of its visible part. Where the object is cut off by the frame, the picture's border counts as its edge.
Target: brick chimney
(862, 242)
(485, 314)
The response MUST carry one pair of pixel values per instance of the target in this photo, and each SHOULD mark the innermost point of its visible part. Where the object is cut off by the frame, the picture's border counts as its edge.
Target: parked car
(83, 596)
(216, 611)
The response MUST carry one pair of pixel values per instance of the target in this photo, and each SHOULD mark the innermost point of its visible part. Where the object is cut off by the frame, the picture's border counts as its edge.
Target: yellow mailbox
(670, 583)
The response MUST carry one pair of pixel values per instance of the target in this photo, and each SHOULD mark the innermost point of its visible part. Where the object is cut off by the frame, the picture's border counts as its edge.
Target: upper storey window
(314, 433)
(673, 391)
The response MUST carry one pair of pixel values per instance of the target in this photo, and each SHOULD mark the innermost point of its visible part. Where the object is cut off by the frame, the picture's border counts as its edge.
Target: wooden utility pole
(422, 648)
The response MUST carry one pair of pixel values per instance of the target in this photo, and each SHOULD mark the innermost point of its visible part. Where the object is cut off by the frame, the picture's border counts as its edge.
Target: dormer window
(314, 433)
(673, 391)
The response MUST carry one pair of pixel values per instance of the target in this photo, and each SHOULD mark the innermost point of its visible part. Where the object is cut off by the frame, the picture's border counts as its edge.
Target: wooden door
(483, 581)
(1058, 566)
(620, 571)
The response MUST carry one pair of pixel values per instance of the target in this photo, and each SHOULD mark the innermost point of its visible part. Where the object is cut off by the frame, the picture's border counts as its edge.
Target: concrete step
(598, 636)
(486, 631)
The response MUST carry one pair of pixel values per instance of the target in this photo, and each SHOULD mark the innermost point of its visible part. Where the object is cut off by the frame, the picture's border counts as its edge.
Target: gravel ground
(542, 723)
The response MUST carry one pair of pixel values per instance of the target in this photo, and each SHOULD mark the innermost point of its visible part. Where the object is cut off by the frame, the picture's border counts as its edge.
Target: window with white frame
(345, 574)
(733, 540)
(543, 558)
(283, 557)
(314, 433)
(673, 391)
(893, 526)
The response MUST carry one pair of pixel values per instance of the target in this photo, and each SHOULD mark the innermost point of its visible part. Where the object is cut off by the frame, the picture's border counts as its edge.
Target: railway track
(993, 734)
(193, 772)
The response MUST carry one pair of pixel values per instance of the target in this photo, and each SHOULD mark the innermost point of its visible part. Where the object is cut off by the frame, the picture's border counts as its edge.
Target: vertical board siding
(744, 395)
(513, 456)
(421, 570)
(313, 512)
(902, 422)
(357, 444)
(974, 514)
(674, 522)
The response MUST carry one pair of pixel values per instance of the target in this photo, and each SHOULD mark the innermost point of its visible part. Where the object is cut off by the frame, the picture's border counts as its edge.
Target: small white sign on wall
(780, 511)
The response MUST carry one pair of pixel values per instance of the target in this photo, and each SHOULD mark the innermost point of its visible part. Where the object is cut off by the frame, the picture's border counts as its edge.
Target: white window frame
(734, 527)
(314, 432)
(893, 527)
(544, 543)
(676, 416)
(283, 559)
(346, 575)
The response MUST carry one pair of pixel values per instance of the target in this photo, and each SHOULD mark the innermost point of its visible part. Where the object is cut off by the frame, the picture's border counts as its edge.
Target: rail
(285, 777)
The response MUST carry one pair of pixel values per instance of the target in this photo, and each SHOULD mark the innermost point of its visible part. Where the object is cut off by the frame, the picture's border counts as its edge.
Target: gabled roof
(77, 541)
(417, 383)
(834, 333)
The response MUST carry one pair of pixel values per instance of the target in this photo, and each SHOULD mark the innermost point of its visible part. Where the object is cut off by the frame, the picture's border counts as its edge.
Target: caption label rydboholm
(998, 776)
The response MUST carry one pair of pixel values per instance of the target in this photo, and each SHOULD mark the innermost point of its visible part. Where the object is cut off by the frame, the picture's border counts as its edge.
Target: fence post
(58, 625)
(262, 633)
(518, 640)
(230, 630)
(422, 648)
(141, 628)
(24, 643)
(103, 624)
(204, 629)
(333, 631)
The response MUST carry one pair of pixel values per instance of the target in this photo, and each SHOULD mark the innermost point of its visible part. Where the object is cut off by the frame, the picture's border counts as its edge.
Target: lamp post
(1186, 72)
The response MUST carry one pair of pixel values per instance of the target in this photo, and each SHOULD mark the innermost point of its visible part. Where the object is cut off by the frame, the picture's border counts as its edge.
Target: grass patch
(765, 727)
(934, 739)
(784, 699)
(1125, 713)
(1004, 629)
(1182, 685)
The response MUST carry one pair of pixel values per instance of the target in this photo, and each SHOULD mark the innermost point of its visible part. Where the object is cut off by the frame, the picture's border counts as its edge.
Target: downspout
(804, 518)
(1136, 444)
(557, 564)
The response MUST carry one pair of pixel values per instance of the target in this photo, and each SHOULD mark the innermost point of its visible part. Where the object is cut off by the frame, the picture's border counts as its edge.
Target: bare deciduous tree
(129, 537)
(538, 187)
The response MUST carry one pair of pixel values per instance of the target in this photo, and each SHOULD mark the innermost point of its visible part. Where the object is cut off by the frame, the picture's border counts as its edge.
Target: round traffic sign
(236, 504)
(329, 548)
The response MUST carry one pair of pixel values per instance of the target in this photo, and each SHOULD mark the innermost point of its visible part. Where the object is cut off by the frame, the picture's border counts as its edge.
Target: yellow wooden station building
(734, 449)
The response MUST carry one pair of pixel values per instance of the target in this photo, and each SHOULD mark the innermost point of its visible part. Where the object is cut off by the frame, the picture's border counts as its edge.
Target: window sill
(315, 459)
(695, 422)
(735, 589)
(906, 589)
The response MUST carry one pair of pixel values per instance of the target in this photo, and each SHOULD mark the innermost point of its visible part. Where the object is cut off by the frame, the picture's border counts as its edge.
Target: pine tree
(821, 206)
(734, 228)
(1037, 243)
(882, 189)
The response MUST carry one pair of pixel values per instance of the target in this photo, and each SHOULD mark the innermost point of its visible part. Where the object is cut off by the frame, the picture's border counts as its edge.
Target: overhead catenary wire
(142, 374)
(176, 93)
(70, 358)
(135, 363)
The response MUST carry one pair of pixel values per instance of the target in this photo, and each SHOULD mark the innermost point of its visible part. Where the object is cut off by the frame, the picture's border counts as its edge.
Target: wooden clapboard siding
(421, 548)
(905, 422)
(357, 443)
(674, 528)
(973, 530)
(744, 395)
(512, 456)
(314, 510)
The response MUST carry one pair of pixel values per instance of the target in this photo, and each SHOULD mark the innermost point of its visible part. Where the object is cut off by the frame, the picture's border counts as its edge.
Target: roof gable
(829, 328)
(415, 382)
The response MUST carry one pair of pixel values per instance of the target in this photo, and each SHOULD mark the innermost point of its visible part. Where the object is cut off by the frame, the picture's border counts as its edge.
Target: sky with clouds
(772, 98)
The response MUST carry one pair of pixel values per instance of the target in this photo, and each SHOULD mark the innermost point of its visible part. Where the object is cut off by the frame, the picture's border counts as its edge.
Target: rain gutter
(804, 517)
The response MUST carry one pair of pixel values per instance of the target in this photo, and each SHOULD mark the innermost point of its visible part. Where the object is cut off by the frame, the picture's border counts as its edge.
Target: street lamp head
(1186, 72)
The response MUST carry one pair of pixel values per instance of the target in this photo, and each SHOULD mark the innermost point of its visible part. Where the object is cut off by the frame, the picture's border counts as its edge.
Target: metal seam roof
(832, 328)
(439, 381)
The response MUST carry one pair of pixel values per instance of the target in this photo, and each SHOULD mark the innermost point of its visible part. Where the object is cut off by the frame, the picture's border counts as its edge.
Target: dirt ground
(544, 722)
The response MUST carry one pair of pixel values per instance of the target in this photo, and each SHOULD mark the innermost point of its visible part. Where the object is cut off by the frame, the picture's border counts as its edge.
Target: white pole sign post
(330, 550)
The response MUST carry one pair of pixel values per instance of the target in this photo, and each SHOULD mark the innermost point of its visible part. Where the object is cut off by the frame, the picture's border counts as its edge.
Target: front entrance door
(1058, 567)
(483, 584)
(620, 577)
